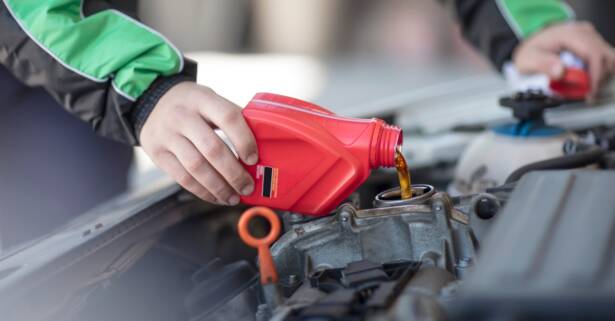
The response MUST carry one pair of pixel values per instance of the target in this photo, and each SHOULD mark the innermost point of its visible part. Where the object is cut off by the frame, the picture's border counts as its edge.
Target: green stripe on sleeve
(105, 45)
(529, 16)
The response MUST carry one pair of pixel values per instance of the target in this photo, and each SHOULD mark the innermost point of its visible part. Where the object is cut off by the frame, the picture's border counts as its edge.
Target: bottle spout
(384, 145)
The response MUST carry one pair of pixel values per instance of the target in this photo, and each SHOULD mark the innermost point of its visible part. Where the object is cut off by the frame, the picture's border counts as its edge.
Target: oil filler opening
(421, 193)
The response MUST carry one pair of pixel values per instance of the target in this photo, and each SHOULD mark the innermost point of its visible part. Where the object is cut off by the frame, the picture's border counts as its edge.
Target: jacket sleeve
(496, 27)
(106, 68)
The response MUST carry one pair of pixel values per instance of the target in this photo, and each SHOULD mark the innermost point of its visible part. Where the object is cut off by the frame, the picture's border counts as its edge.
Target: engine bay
(535, 246)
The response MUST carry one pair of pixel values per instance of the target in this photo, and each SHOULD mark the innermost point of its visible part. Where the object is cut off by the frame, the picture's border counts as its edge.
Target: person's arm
(496, 27)
(131, 85)
(106, 68)
(532, 33)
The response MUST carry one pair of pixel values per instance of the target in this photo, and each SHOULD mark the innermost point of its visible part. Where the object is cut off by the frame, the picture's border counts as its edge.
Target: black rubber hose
(577, 160)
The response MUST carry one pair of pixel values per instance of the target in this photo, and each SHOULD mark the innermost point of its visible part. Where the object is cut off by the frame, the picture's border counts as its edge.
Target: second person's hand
(540, 52)
(179, 137)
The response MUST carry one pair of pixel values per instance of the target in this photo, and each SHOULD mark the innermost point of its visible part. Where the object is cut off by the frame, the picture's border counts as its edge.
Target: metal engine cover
(549, 255)
(432, 229)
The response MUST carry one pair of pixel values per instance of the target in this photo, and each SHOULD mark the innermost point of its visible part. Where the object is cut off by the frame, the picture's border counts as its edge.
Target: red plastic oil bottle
(310, 159)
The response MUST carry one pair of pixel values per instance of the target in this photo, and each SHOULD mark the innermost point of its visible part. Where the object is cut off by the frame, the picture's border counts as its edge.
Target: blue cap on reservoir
(528, 108)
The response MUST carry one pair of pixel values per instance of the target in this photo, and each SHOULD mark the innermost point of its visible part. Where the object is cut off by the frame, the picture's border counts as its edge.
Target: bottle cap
(574, 85)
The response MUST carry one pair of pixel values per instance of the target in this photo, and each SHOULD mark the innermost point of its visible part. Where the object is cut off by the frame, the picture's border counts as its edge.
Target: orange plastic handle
(268, 272)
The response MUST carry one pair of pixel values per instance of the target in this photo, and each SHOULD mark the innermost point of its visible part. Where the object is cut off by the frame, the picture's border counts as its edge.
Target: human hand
(540, 52)
(179, 137)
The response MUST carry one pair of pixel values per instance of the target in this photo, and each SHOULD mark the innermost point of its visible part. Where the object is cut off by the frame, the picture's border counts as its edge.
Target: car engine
(417, 259)
(359, 262)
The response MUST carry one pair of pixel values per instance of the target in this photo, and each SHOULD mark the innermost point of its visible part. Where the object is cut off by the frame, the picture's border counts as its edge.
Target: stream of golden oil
(405, 184)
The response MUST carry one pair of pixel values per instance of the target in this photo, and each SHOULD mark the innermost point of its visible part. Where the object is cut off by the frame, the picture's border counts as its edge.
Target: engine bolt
(486, 208)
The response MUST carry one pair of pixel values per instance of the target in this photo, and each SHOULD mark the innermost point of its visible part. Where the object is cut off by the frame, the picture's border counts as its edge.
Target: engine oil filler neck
(421, 193)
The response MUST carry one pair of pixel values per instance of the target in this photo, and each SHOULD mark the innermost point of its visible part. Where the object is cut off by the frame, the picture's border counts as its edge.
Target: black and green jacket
(110, 70)
(101, 64)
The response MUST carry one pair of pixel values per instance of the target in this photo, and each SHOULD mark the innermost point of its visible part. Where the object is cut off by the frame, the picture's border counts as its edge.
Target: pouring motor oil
(311, 159)
(403, 174)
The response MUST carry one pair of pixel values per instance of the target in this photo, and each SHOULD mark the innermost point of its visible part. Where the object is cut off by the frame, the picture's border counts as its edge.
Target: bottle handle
(285, 101)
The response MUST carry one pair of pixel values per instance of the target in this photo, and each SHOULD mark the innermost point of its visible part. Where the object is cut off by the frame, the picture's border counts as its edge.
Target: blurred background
(324, 49)
(355, 57)
(313, 45)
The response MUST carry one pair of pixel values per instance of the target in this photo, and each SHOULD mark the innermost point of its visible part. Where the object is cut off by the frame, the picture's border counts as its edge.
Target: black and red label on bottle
(269, 178)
